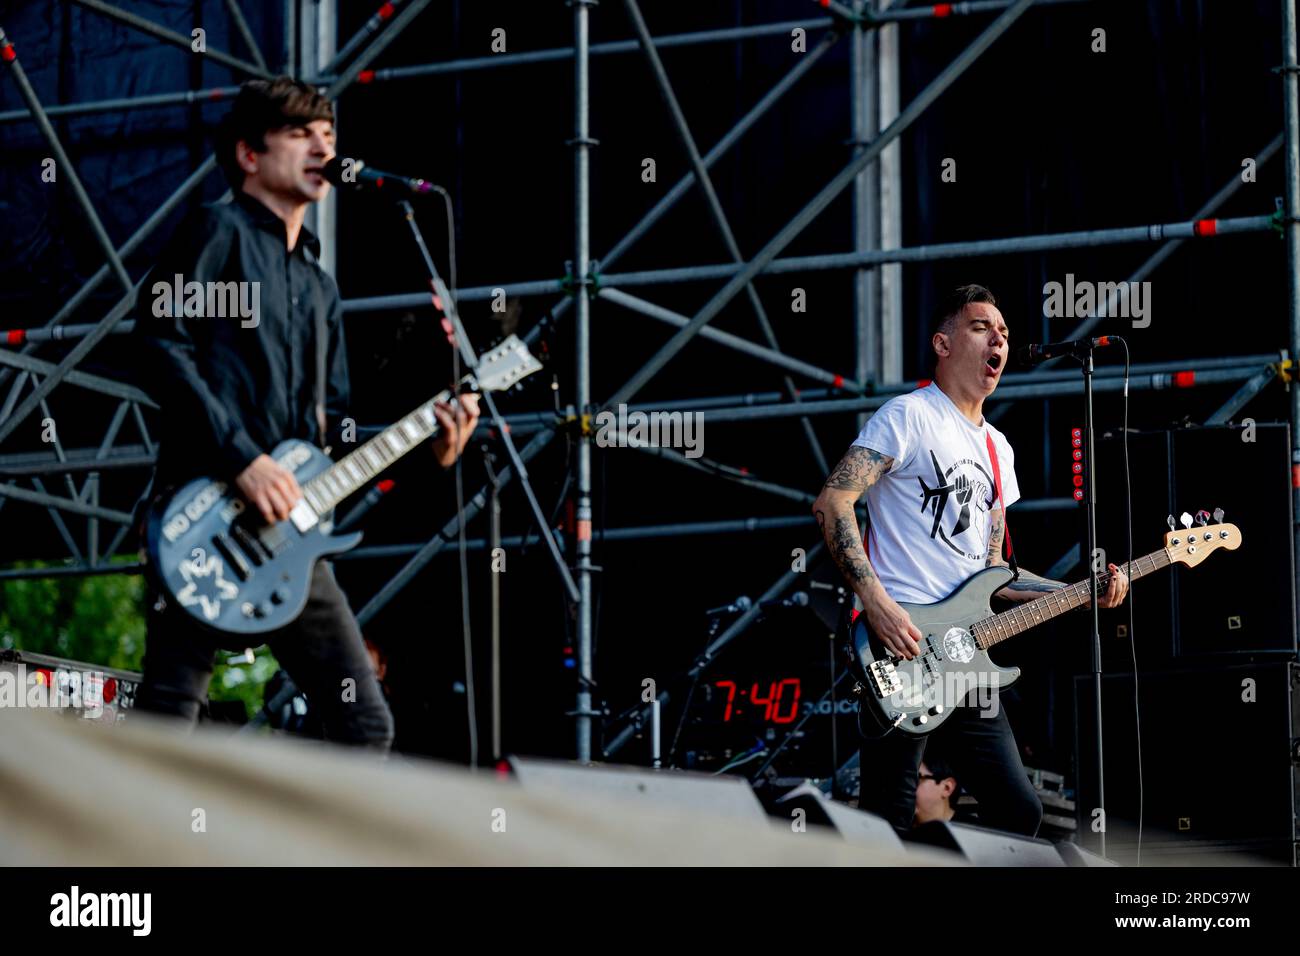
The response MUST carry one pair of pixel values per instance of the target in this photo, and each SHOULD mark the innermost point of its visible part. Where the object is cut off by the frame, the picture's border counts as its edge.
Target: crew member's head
(969, 341)
(936, 791)
(276, 138)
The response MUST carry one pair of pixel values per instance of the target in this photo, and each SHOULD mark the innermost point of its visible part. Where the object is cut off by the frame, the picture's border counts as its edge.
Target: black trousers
(322, 651)
(982, 750)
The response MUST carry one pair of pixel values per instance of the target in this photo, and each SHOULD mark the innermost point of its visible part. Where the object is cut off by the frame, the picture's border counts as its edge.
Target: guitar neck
(1022, 617)
(353, 471)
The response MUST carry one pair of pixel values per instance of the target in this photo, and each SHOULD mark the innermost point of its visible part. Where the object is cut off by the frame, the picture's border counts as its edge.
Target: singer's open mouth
(994, 361)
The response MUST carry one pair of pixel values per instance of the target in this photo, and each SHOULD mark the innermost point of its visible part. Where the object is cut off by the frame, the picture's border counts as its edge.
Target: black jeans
(984, 757)
(321, 651)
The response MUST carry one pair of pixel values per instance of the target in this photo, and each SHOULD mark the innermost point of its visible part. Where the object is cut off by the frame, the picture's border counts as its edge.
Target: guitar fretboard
(350, 473)
(1021, 618)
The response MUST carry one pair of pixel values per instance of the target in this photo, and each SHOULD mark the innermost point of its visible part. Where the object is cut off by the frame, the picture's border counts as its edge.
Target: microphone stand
(494, 542)
(1083, 353)
(443, 301)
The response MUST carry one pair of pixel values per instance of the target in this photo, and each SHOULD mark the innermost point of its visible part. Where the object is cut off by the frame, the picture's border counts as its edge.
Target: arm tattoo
(995, 539)
(846, 548)
(858, 470)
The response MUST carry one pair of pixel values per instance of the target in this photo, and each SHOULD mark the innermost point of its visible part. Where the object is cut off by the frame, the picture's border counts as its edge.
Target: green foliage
(99, 619)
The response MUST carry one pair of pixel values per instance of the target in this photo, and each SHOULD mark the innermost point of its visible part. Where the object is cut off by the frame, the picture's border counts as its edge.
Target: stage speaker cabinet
(855, 826)
(1077, 856)
(1220, 763)
(984, 847)
(715, 795)
(1238, 602)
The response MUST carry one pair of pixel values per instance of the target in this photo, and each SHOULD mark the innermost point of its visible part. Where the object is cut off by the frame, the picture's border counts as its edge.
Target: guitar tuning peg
(1218, 516)
(1185, 520)
(1202, 518)
(1171, 522)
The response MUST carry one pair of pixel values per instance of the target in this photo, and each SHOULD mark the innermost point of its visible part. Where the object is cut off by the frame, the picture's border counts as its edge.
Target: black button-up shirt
(229, 389)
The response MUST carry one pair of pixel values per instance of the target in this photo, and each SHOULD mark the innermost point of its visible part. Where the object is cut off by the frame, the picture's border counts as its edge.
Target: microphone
(741, 605)
(350, 172)
(1033, 354)
(798, 599)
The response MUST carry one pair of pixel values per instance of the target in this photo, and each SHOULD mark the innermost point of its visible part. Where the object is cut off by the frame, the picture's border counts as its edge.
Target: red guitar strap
(1007, 553)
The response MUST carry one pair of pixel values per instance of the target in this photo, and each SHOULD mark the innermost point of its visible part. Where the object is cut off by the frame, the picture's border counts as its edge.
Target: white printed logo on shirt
(930, 515)
(966, 485)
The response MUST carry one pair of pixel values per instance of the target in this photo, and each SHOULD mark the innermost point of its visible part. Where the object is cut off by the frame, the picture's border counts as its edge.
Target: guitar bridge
(884, 678)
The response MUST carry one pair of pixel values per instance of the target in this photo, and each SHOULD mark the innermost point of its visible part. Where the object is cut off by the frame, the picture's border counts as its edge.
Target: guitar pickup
(232, 556)
(251, 546)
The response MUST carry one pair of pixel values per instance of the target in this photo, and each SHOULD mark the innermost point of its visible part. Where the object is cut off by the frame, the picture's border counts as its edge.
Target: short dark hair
(261, 107)
(953, 302)
(950, 307)
(941, 770)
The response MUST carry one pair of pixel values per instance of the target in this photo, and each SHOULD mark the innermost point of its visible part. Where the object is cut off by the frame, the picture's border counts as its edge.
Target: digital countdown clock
(777, 701)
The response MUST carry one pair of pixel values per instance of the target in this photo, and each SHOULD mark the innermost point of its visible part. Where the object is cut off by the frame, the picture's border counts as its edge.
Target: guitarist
(923, 460)
(231, 387)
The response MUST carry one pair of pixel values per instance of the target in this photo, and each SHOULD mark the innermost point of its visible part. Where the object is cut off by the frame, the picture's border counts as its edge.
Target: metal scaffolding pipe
(65, 166)
(954, 250)
(64, 504)
(714, 468)
(444, 536)
(582, 143)
(241, 27)
(1005, 394)
(819, 203)
(595, 49)
(734, 342)
(78, 460)
(172, 37)
(107, 386)
(1155, 232)
(1291, 108)
(368, 29)
(400, 23)
(143, 232)
(526, 423)
(1157, 258)
(944, 10)
(69, 363)
(714, 206)
(612, 535)
(58, 334)
(188, 98)
(670, 199)
(720, 148)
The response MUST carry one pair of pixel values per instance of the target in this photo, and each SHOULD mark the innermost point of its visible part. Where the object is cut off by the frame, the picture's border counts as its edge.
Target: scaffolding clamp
(1280, 220)
(1285, 370)
(591, 281)
(581, 424)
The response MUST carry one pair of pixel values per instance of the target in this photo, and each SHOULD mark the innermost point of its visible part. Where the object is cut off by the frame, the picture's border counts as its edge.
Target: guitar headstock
(503, 366)
(1191, 545)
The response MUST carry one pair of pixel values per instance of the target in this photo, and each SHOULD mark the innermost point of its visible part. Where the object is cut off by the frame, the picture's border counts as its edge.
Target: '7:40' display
(781, 702)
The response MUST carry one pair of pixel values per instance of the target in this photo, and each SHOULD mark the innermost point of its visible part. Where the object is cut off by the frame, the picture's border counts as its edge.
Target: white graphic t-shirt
(930, 521)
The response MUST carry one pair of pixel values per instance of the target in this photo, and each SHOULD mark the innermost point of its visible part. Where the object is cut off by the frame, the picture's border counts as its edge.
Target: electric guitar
(212, 555)
(953, 667)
